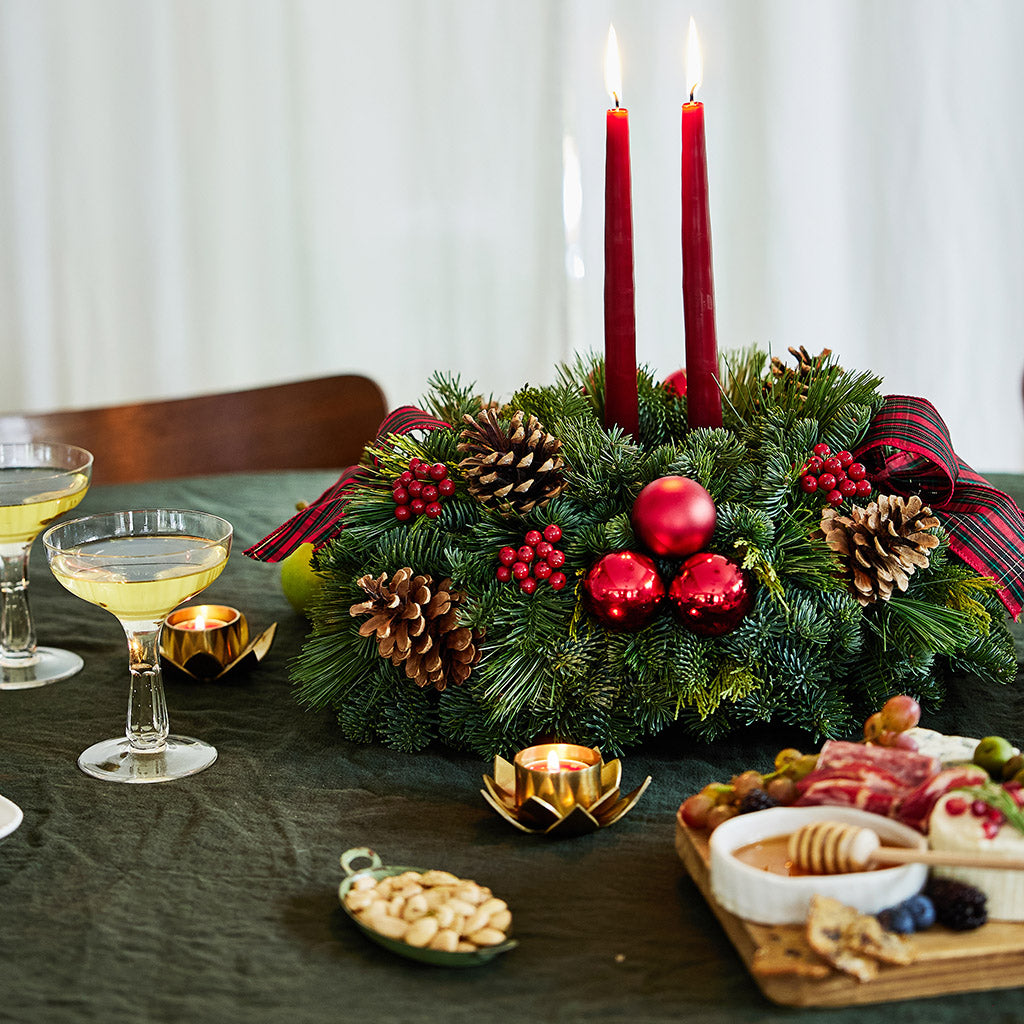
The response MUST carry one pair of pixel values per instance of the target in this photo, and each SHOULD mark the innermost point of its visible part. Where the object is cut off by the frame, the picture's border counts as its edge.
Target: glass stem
(17, 633)
(147, 725)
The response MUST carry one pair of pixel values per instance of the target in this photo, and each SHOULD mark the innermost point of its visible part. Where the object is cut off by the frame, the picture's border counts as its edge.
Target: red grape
(900, 713)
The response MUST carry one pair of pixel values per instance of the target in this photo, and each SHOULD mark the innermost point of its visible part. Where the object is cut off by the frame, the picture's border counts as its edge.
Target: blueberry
(922, 910)
(897, 919)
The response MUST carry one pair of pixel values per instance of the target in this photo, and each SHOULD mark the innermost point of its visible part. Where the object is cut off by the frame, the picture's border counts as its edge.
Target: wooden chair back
(311, 424)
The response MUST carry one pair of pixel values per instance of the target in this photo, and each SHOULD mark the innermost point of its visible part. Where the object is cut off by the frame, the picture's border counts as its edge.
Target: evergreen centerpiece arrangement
(496, 579)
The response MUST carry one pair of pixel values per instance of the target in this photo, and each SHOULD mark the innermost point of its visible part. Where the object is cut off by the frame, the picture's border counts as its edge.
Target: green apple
(301, 585)
(992, 753)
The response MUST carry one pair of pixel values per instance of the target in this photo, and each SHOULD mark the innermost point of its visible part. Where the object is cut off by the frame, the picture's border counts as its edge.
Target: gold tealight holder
(208, 640)
(559, 789)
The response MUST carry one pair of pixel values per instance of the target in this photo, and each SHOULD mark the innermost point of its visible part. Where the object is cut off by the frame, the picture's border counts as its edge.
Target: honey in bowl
(772, 854)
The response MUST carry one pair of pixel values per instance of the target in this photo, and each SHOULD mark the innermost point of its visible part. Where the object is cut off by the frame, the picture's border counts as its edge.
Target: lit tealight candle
(563, 775)
(205, 637)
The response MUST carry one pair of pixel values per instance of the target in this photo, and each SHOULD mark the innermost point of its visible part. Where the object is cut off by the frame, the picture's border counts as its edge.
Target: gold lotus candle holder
(559, 789)
(206, 641)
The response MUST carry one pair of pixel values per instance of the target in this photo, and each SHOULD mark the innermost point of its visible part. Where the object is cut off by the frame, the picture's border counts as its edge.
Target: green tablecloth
(214, 898)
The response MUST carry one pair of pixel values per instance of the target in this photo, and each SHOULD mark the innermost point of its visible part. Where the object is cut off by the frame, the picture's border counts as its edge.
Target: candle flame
(613, 67)
(553, 763)
(199, 622)
(694, 60)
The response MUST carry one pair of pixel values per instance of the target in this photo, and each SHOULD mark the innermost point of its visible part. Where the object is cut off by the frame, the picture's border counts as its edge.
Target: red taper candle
(703, 398)
(620, 393)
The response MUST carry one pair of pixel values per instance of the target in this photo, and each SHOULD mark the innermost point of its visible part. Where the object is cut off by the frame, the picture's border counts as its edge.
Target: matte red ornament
(623, 590)
(674, 516)
(675, 383)
(711, 594)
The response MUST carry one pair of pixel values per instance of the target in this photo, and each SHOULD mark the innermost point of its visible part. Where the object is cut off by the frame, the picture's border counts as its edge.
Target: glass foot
(116, 761)
(50, 665)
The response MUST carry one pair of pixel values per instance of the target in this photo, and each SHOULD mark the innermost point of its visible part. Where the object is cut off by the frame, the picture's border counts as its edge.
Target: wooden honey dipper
(832, 847)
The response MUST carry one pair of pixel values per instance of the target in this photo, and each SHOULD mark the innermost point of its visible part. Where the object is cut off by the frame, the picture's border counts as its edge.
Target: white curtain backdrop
(200, 195)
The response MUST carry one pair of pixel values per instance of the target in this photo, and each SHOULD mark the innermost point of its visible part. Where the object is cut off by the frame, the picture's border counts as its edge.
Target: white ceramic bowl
(767, 898)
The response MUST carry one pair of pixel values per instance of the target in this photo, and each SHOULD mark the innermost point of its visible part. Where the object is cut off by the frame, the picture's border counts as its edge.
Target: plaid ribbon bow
(318, 522)
(985, 526)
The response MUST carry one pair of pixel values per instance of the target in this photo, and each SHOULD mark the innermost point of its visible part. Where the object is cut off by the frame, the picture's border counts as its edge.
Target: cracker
(827, 922)
(787, 953)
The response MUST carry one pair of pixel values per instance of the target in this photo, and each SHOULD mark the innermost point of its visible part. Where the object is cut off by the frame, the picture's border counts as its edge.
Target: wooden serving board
(989, 957)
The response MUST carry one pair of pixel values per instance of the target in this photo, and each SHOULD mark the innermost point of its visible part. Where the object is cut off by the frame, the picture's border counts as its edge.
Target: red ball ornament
(674, 516)
(711, 594)
(675, 383)
(623, 590)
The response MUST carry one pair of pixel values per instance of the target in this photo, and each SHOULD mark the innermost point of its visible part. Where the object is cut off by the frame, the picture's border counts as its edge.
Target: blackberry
(957, 905)
(756, 800)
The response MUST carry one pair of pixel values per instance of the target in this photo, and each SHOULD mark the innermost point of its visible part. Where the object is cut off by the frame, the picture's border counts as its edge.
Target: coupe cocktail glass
(140, 565)
(38, 482)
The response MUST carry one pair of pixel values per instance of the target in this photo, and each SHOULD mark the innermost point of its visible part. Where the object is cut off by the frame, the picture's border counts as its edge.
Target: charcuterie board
(990, 957)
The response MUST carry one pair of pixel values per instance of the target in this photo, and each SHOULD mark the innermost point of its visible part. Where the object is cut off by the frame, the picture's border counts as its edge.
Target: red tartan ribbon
(318, 522)
(985, 526)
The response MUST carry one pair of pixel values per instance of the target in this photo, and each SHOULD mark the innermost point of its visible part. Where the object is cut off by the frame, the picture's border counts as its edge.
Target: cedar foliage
(807, 655)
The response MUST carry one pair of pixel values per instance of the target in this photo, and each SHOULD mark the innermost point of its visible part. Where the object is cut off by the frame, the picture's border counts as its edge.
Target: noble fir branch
(923, 626)
(586, 375)
(992, 656)
(743, 372)
(409, 720)
(449, 399)
(553, 406)
(711, 457)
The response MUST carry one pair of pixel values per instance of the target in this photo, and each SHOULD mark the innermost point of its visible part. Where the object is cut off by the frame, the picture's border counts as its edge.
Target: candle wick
(692, 91)
(615, 96)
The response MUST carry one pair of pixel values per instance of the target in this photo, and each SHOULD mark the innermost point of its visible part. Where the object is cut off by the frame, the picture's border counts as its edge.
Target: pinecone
(807, 366)
(416, 622)
(882, 544)
(513, 470)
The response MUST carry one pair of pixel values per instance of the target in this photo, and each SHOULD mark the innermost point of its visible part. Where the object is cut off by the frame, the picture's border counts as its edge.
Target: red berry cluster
(419, 490)
(536, 560)
(838, 476)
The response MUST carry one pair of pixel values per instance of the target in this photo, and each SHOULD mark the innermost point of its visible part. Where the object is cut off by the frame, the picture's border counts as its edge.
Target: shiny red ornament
(674, 516)
(623, 590)
(675, 383)
(711, 594)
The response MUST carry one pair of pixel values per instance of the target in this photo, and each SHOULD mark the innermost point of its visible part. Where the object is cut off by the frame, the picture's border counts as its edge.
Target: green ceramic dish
(437, 957)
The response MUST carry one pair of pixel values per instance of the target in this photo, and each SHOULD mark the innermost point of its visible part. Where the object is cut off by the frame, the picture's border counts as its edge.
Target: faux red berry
(528, 585)
(507, 556)
(814, 464)
(401, 496)
(446, 487)
(421, 471)
(856, 471)
(543, 549)
(556, 559)
(417, 505)
(520, 570)
(403, 513)
(863, 488)
(827, 481)
(808, 483)
(834, 498)
(541, 570)
(832, 465)
(847, 488)
(533, 538)
(416, 488)
(414, 462)
(504, 573)
(429, 493)
(552, 533)
(822, 450)
(433, 509)
(526, 553)
(438, 471)
(557, 580)
(406, 478)
(845, 459)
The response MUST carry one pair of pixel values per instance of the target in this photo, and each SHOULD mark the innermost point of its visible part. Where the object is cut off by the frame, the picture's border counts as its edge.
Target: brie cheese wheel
(965, 833)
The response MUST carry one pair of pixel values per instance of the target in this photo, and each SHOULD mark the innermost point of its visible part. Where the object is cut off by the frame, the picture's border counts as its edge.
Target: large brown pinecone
(882, 544)
(416, 623)
(513, 470)
(807, 367)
